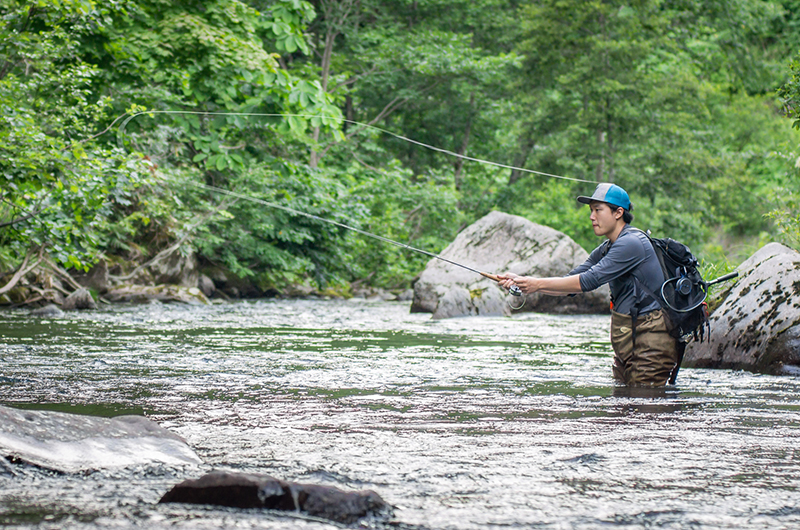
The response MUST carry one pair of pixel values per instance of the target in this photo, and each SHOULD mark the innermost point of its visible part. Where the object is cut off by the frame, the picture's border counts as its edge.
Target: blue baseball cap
(610, 193)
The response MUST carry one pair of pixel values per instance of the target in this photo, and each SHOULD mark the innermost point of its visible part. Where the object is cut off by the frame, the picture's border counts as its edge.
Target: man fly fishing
(644, 351)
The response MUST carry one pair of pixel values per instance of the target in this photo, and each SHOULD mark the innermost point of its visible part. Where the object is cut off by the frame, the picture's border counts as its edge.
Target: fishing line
(121, 129)
(514, 290)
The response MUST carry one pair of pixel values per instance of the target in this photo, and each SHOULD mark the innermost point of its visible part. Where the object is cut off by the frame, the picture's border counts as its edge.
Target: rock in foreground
(241, 490)
(72, 443)
(757, 326)
(498, 243)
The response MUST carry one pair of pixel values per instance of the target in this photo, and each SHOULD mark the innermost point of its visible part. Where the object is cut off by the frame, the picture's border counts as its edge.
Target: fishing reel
(516, 291)
(683, 286)
(690, 297)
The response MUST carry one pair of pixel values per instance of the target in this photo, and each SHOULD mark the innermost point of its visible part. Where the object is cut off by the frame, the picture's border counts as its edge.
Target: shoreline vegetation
(50, 285)
(217, 137)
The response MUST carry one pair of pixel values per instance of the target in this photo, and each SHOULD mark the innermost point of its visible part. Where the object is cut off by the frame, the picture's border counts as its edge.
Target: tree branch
(64, 275)
(164, 254)
(22, 271)
(395, 104)
(20, 219)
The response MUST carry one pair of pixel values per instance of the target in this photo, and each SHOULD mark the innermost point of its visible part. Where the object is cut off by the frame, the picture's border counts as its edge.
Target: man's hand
(526, 284)
(551, 286)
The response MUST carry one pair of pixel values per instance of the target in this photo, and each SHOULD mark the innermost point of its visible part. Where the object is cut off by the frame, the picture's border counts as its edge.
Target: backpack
(683, 293)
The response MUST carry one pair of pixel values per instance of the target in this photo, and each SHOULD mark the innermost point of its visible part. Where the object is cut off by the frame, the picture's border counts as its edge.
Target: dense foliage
(121, 121)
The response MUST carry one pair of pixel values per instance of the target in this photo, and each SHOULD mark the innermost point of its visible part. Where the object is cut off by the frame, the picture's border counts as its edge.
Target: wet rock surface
(72, 443)
(176, 269)
(79, 299)
(242, 490)
(96, 278)
(162, 293)
(757, 325)
(498, 243)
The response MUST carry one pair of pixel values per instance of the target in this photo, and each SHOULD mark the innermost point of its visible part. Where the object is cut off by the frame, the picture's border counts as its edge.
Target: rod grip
(490, 276)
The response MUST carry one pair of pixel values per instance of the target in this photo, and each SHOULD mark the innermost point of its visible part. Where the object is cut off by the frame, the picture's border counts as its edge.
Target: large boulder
(244, 490)
(72, 443)
(177, 269)
(757, 325)
(79, 299)
(498, 243)
(96, 278)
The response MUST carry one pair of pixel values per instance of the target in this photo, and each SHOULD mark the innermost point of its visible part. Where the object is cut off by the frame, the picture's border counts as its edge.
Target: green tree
(646, 95)
(56, 182)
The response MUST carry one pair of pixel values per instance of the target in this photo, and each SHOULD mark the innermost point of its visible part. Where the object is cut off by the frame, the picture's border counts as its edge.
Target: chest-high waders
(661, 354)
(680, 345)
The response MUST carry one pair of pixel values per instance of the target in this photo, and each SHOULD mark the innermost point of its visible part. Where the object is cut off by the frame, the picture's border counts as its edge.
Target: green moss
(476, 293)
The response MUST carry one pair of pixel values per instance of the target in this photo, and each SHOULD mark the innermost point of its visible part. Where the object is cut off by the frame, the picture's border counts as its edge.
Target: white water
(472, 423)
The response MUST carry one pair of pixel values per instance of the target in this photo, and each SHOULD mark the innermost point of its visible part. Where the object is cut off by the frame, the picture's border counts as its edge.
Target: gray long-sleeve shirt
(631, 255)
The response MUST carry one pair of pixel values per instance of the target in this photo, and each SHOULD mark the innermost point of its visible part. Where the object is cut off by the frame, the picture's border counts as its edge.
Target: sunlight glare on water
(470, 423)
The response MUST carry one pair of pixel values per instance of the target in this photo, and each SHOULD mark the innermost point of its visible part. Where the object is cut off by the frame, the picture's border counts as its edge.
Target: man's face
(604, 218)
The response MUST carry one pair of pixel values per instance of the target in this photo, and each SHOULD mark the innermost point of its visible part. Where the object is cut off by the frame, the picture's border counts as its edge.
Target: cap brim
(585, 200)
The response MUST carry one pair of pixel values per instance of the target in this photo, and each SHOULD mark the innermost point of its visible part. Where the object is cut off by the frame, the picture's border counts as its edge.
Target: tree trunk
(348, 113)
(526, 143)
(463, 151)
(327, 53)
(600, 169)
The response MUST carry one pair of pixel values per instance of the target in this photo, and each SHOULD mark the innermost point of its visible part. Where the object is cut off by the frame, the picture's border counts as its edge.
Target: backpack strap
(606, 245)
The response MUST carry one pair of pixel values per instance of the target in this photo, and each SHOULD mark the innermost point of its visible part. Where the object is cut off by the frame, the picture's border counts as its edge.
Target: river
(470, 423)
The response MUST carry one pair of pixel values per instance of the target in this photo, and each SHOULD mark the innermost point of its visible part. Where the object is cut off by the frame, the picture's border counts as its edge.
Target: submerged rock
(498, 243)
(48, 311)
(757, 325)
(242, 490)
(72, 443)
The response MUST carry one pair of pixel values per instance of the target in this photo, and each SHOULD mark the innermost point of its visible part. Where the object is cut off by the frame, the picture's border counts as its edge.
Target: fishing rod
(514, 290)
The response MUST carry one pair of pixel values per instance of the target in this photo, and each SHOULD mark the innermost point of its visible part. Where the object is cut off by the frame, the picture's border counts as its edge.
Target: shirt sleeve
(592, 260)
(623, 256)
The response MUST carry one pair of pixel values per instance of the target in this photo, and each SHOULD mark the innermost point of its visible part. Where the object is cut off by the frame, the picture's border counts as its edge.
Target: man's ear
(619, 211)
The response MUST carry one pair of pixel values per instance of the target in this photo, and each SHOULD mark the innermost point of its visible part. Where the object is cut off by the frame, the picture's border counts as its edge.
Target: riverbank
(174, 280)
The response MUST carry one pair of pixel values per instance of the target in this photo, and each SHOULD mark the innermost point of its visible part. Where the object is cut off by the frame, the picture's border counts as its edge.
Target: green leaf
(290, 44)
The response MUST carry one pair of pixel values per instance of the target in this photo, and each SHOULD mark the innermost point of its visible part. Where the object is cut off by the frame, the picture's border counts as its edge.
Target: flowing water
(471, 423)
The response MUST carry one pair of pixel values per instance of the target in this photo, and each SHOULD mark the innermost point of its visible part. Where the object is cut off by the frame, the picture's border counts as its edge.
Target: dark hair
(627, 216)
